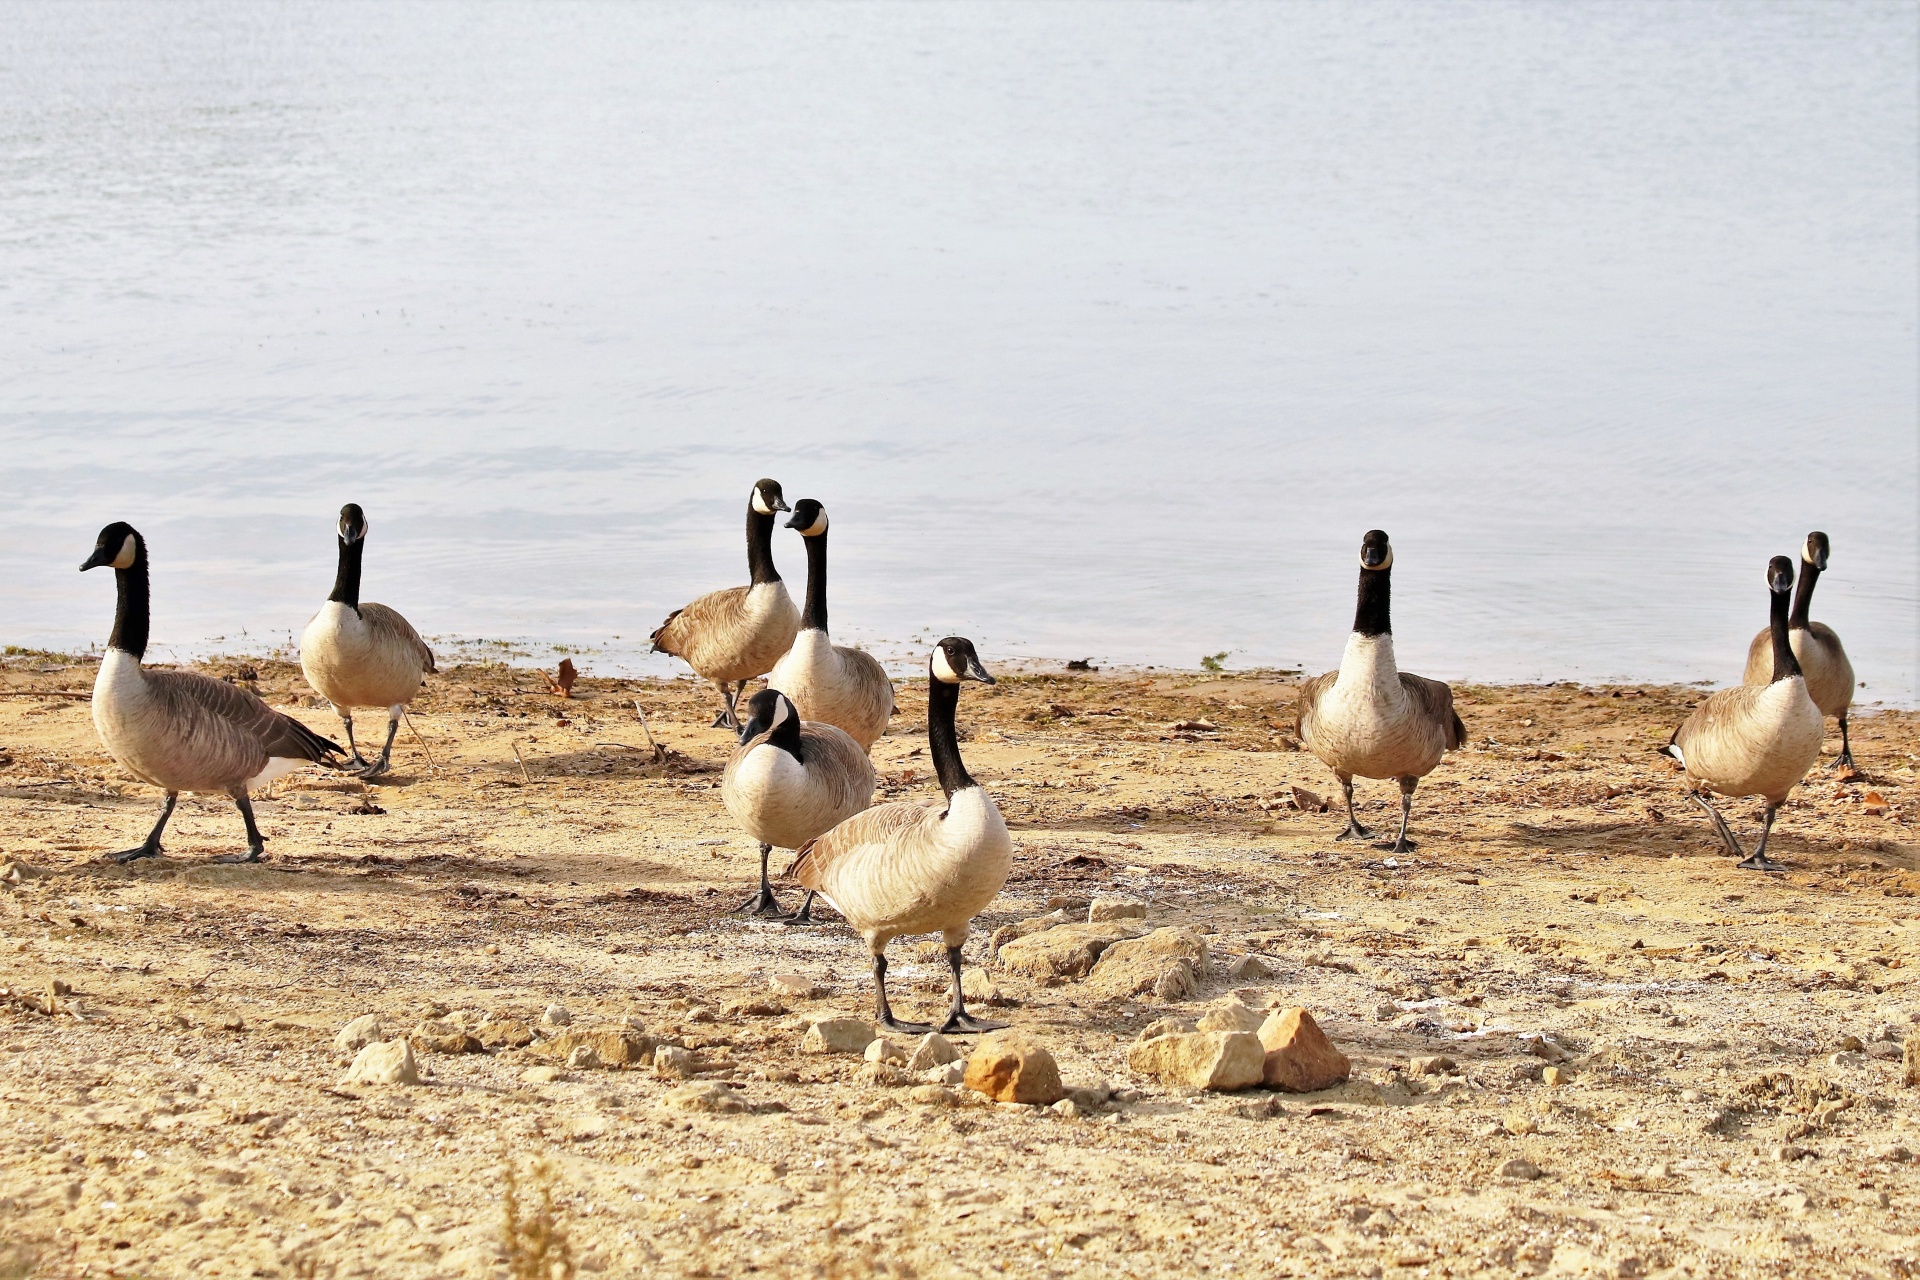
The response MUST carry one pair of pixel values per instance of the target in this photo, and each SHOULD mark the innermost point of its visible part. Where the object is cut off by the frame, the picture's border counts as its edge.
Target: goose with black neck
(900, 869)
(830, 683)
(1756, 739)
(1369, 719)
(178, 730)
(360, 654)
(1822, 658)
(736, 634)
(789, 781)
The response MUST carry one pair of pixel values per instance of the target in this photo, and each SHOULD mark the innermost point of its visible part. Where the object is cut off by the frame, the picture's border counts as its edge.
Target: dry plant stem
(524, 775)
(422, 741)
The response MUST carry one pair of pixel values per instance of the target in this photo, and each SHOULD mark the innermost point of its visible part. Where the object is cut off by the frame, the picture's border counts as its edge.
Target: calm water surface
(1103, 330)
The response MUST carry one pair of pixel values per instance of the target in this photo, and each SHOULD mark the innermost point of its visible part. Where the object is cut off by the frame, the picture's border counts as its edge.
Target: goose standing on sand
(178, 730)
(1822, 658)
(737, 634)
(362, 655)
(1756, 739)
(830, 683)
(789, 781)
(1370, 719)
(901, 868)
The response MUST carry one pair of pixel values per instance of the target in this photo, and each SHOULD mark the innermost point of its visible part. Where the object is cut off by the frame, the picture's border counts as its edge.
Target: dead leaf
(562, 683)
(1307, 802)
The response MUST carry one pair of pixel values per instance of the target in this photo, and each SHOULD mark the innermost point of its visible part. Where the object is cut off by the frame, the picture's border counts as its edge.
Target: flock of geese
(801, 778)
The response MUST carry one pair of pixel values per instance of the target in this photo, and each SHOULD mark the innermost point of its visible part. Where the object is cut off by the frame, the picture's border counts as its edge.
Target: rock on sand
(1007, 1066)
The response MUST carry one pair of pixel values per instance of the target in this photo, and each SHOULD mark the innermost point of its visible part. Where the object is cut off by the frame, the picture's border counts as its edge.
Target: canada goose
(739, 633)
(830, 683)
(1369, 718)
(362, 655)
(900, 868)
(1754, 740)
(178, 730)
(1822, 658)
(790, 780)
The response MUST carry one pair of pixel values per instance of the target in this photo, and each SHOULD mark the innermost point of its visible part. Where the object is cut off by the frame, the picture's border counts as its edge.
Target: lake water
(1103, 330)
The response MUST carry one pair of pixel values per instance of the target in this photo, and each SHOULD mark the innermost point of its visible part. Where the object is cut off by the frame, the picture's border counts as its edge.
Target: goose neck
(760, 547)
(816, 611)
(1803, 596)
(1372, 612)
(346, 578)
(943, 737)
(130, 614)
(1785, 664)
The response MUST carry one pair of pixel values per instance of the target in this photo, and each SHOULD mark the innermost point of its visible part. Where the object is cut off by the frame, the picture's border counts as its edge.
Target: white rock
(672, 1062)
(838, 1035)
(359, 1033)
(883, 1049)
(1116, 909)
(934, 1050)
(556, 1015)
(947, 1073)
(1231, 1015)
(384, 1062)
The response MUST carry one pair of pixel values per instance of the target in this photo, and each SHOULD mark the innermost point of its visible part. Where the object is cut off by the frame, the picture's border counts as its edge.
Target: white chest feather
(121, 700)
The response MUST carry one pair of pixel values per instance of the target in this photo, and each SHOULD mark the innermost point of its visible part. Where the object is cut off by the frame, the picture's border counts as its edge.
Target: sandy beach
(1582, 1043)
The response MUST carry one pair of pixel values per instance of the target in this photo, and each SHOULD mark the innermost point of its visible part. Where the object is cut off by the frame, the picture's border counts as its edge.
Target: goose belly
(777, 802)
(349, 665)
(935, 878)
(179, 754)
(1374, 737)
(1765, 751)
(1828, 673)
(830, 685)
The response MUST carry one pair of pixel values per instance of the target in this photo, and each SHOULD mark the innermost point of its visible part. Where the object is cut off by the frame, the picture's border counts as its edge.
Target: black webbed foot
(1760, 862)
(136, 853)
(965, 1024)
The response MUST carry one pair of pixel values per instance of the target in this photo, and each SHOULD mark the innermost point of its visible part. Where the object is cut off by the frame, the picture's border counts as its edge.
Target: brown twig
(524, 775)
(408, 716)
(643, 726)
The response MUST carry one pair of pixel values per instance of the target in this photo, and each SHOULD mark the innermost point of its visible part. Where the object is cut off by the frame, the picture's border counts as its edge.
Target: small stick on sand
(524, 775)
(422, 741)
(643, 726)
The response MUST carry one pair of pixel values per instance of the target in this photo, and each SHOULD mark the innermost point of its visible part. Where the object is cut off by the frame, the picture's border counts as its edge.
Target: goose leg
(959, 1021)
(1760, 861)
(385, 761)
(151, 849)
(1719, 825)
(1403, 845)
(727, 719)
(1354, 830)
(763, 903)
(1846, 748)
(256, 843)
(882, 1012)
(346, 720)
(804, 915)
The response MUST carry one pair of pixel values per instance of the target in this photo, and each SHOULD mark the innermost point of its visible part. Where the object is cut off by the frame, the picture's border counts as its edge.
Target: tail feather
(316, 748)
(660, 631)
(1456, 733)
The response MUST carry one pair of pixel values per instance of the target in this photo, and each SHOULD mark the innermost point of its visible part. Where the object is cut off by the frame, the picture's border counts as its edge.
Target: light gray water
(1102, 329)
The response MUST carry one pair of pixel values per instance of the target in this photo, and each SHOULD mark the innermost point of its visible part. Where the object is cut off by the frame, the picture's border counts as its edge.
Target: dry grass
(534, 1239)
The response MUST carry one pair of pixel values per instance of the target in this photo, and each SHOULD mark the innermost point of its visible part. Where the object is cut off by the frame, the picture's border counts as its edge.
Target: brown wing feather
(387, 624)
(1759, 660)
(208, 710)
(1308, 699)
(869, 827)
(1435, 700)
(715, 609)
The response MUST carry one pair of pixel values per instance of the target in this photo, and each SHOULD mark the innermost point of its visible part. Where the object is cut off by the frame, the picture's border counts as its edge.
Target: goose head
(1376, 553)
(809, 517)
(954, 660)
(771, 712)
(1780, 575)
(119, 546)
(353, 523)
(766, 497)
(1816, 551)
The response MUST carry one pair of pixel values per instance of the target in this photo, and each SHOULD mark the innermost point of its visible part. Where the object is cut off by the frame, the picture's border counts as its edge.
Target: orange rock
(1008, 1067)
(1300, 1058)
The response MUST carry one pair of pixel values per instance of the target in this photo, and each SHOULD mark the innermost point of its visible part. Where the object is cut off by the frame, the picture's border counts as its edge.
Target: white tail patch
(277, 767)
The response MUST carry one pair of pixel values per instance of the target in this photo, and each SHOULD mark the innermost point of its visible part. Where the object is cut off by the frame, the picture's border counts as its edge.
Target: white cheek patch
(943, 670)
(817, 528)
(1384, 564)
(782, 712)
(760, 504)
(128, 550)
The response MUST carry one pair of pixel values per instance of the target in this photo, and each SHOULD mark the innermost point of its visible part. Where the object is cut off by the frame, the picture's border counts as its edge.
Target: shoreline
(174, 1098)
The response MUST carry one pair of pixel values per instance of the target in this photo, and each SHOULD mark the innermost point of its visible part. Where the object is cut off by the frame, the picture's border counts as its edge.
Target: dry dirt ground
(1731, 1103)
